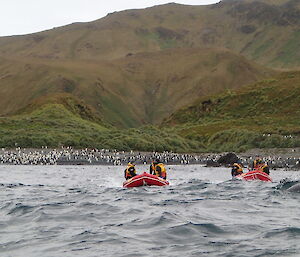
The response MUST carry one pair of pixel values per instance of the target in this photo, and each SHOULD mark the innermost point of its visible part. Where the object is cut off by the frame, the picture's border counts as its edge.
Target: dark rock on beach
(228, 159)
(212, 163)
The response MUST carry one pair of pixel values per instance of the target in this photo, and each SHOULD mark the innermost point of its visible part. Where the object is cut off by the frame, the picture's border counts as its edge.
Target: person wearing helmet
(237, 169)
(130, 171)
(157, 168)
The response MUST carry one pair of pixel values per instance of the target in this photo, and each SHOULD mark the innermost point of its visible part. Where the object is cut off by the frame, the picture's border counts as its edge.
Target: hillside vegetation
(261, 115)
(265, 114)
(53, 125)
(128, 92)
(174, 77)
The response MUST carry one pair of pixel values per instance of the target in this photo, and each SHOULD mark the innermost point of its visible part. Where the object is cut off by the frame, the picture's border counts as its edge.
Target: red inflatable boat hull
(255, 175)
(145, 179)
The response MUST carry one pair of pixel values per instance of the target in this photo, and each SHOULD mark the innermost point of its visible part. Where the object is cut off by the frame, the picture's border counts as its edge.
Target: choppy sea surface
(55, 211)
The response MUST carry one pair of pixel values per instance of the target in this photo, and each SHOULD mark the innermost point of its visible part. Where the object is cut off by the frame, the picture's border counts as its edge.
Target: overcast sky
(27, 16)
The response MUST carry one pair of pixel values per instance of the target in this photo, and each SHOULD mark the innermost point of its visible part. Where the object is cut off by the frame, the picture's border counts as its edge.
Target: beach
(276, 158)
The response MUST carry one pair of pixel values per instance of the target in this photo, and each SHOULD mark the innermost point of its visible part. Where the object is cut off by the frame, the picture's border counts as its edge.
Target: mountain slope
(73, 85)
(127, 92)
(243, 117)
(262, 30)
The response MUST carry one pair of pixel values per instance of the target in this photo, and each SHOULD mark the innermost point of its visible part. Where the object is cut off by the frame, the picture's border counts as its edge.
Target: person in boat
(130, 171)
(259, 164)
(237, 169)
(265, 168)
(152, 167)
(158, 168)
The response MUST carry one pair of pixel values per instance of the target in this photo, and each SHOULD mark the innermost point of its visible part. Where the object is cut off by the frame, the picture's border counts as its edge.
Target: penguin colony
(70, 156)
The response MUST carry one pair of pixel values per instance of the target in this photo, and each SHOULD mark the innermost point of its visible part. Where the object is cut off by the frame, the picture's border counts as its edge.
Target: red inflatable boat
(145, 179)
(254, 175)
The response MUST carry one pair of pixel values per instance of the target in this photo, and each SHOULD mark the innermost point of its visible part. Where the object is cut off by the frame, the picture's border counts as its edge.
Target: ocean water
(55, 211)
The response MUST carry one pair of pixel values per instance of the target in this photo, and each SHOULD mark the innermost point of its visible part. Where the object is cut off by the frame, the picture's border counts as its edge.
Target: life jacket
(162, 173)
(260, 166)
(265, 168)
(257, 163)
(130, 171)
(237, 169)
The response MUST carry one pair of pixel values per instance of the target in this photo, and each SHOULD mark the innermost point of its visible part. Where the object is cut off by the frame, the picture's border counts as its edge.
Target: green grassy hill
(50, 125)
(265, 114)
(262, 115)
(106, 83)
(56, 125)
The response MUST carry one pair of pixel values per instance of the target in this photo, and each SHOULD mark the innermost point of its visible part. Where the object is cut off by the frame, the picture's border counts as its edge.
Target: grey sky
(28, 16)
